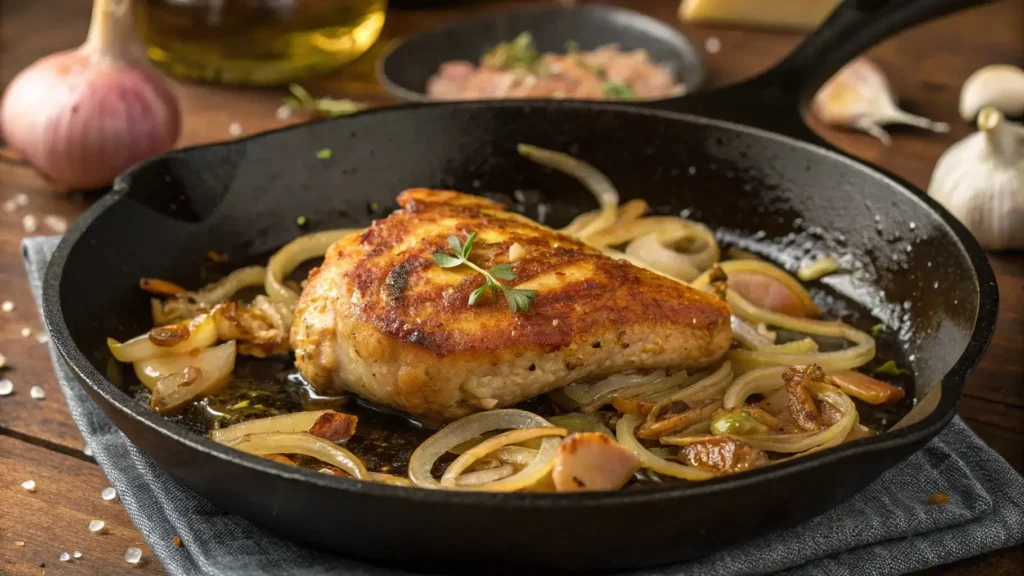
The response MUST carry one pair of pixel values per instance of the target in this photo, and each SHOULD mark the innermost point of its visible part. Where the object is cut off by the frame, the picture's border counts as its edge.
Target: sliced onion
(594, 180)
(747, 335)
(529, 474)
(202, 375)
(624, 434)
(473, 426)
(744, 361)
(848, 359)
(202, 333)
(765, 380)
(648, 249)
(708, 388)
(230, 285)
(817, 269)
(775, 288)
(592, 397)
(295, 422)
(288, 258)
(305, 444)
(518, 456)
(866, 388)
(391, 479)
(150, 371)
(482, 477)
(580, 422)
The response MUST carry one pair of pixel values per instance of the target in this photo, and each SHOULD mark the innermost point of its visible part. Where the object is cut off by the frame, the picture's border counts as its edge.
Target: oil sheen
(257, 42)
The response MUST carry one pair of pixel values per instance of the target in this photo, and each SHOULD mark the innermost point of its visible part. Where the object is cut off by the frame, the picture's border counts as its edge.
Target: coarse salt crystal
(76, 554)
(3, 360)
(7, 306)
(132, 555)
(108, 493)
(6, 387)
(29, 223)
(58, 224)
(87, 450)
(96, 525)
(64, 556)
(20, 199)
(283, 113)
(29, 485)
(235, 129)
(37, 393)
(713, 45)
(26, 332)
(10, 206)
(42, 337)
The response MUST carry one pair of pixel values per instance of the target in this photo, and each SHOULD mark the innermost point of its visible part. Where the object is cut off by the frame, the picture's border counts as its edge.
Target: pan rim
(925, 429)
(410, 95)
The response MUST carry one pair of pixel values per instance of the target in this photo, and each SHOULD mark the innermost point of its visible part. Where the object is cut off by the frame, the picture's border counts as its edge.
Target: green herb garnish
(517, 300)
(877, 329)
(618, 90)
(889, 369)
(301, 99)
(300, 221)
(324, 154)
(520, 53)
(571, 47)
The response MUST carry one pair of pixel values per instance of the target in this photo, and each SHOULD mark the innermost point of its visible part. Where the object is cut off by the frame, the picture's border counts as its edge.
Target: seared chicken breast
(379, 318)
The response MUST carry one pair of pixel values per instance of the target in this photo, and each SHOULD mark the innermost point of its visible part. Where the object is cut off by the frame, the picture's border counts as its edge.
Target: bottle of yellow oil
(257, 42)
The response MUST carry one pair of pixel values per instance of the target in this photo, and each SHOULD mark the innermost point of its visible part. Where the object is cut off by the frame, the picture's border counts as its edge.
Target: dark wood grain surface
(38, 440)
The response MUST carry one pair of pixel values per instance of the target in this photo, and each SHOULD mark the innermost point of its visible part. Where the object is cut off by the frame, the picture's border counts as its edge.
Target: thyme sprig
(518, 300)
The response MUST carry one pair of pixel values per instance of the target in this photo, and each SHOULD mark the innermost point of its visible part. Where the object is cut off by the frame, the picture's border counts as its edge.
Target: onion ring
(624, 434)
(305, 444)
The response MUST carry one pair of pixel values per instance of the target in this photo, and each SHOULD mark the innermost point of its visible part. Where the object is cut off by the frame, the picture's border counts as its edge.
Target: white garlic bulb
(980, 180)
(999, 85)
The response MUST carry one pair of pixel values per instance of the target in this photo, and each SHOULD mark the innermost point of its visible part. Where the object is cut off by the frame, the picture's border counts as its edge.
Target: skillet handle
(776, 99)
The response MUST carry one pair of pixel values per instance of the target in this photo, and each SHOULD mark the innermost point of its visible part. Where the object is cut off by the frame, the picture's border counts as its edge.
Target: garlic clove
(859, 96)
(998, 85)
(980, 180)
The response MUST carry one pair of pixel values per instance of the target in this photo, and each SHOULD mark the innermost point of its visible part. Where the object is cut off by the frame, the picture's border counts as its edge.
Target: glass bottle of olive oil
(257, 42)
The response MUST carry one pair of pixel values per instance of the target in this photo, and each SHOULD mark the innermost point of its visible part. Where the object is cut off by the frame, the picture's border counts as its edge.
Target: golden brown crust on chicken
(379, 318)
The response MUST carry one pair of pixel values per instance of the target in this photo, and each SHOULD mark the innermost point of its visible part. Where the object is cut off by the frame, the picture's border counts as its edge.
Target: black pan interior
(404, 70)
(764, 192)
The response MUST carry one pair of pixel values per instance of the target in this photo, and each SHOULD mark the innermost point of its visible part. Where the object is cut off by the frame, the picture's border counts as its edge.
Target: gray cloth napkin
(889, 528)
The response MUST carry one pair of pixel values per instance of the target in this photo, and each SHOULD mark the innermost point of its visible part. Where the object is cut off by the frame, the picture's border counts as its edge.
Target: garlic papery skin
(998, 85)
(980, 180)
(83, 116)
(859, 97)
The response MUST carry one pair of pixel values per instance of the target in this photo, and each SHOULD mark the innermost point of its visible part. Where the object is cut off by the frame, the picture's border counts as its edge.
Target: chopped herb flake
(324, 154)
(877, 329)
(301, 221)
(619, 90)
(889, 369)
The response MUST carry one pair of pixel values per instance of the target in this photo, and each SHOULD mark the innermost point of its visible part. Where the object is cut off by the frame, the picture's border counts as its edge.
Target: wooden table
(38, 440)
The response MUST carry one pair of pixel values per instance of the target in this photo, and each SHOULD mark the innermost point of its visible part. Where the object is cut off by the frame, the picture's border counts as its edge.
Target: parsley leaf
(889, 369)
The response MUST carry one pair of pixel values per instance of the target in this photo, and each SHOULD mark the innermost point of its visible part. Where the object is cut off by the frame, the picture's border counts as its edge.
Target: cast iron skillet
(407, 66)
(913, 264)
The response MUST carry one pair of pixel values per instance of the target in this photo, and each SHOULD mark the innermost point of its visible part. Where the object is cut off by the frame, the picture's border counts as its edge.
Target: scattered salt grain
(42, 337)
(132, 555)
(96, 525)
(235, 129)
(3, 360)
(29, 485)
(10, 206)
(37, 393)
(64, 556)
(20, 200)
(26, 332)
(713, 45)
(283, 113)
(7, 306)
(58, 224)
(6, 387)
(108, 493)
(29, 223)
(87, 450)
(76, 554)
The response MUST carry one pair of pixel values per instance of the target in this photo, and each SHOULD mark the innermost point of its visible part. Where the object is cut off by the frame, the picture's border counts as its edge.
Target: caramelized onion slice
(302, 443)
(592, 396)
(624, 434)
(524, 478)
(592, 178)
(866, 388)
(766, 286)
(766, 380)
(708, 388)
(295, 422)
(288, 258)
(469, 427)
(201, 333)
(202, 375)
